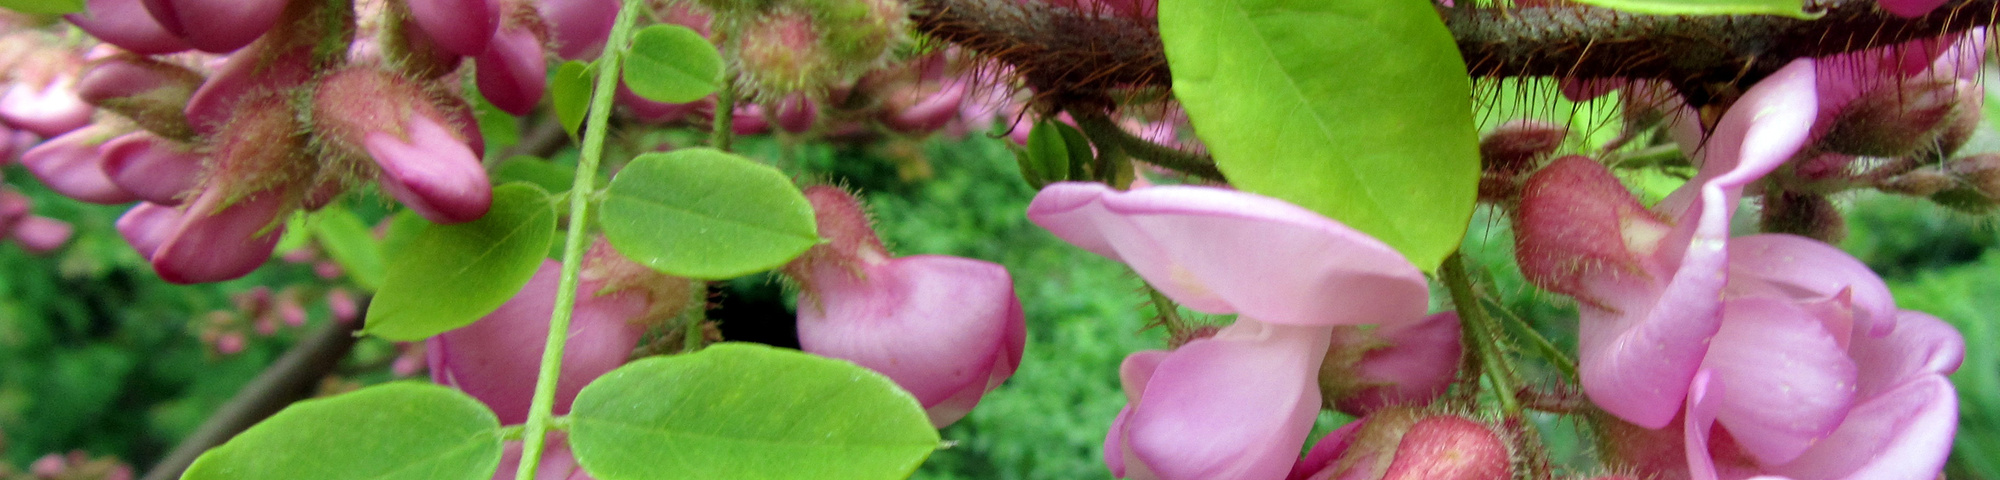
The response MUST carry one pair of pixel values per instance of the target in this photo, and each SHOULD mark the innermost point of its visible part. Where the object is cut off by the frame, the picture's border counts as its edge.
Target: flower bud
(127, 24)
(782, 53)
(947, 329)
(1400, 444)
(256, 72)
(579, 27)
(217, 26)
(154, 169)
(1981, 172)
(1518, 146)
(861, 34)
(1575, 218)
(147, 225)
(153, 94)
(795, 113)
(909, 111)
(511, 73)
(458, 26)
(497, 358)
(72, 165)
(1368, 369)
(217, 239)
(49, 109)
(1893, 121)
(1922, 182)
(14, 207)
(650, 111)
(41, 235)
(424, 164)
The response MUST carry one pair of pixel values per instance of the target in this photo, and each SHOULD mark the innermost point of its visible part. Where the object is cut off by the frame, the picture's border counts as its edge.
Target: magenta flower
(49, 109)
(127, 24)
(579, 27)
(511, 73)
(1239, 404)
(1409, 364)
(947, 329)
(154, 169)
(425, 163)
(216, 26)
(462, 27)
(1648, 281)
(219, 238)
(496, 359)
(73, 165)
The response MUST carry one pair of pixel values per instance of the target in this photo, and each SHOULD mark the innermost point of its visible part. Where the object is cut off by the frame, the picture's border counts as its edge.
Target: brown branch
(293, 377)
(1071, 54)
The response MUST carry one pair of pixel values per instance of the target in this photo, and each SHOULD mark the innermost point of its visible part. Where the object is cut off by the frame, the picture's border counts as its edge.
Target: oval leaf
(738, 410)
(672, 63)
(1372, 127)
(570, 92)
(450, 275)
(407, 430)
(351, 245)
(703, 213)
(43, 6)
(1789, 8)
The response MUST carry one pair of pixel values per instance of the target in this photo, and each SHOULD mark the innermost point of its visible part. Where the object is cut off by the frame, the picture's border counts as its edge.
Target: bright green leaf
(450, 275)
(43, 6)
(403, 430)
(1048, 152)
(351, 245)
(738, 410)
(703, 213)
(1356, 109)
(1789, 8)
(404, 228)
(570, 91)
(672, 63)
(542, 173)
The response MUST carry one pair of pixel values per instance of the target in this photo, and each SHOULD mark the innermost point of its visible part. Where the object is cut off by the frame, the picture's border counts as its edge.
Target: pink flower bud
(432, 172)
(41, 235)
(252, 73)
(1894, 121)
(1412, 445)
(49, 109)
(14, 207)
(154, 169)
(649, 111)
(127, 24)
(345, 310)
(795, 113)
(579, 27)
(290, 311)
(463, 27)
(1576, 221)
(749, 120)
(557, 461)
(147, 225)
(229, 343)
(49, 466)
(907, 113)
(1367, 370)
(497, 358)
(511, 72)
(947, 329)
(73, 165)
(152, 93)
(1518, 146)
(216, 26)
(218, 239)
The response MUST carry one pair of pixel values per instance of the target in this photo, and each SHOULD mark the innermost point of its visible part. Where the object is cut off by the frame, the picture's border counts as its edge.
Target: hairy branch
(1066, 53)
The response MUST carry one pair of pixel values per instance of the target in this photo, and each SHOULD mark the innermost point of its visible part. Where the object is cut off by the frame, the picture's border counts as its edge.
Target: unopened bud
(1370, 368)
(1805, 214)
(152, 93)
(1893, 121)
(1922, 182)
(849, 233)
(217, 26)
(127, 24)
(795, 113)
(152, 168)
(1518, 146)
(1403, 444)
(73, 165)
(511, 73)
(1981, 172)
(1959, 128)
(782, 53)
(579, 27)
(458, 26)
(1575, 219)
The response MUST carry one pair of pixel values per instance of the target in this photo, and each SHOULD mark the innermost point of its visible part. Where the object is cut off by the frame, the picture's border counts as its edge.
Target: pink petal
(1318, 462)
(458, 26)
(244, 75)
(579, 27)
(497, 358)
(40, 235)
(1804, 269)
(48, 110)
(147, 225)
(1114, 443)
(511, 73)
(1223, 251)
(941, 327)
(1920, 345)
(216, 242)
(217, 26)
(432, 172)
(1789, 381)
(1902, 434)
(1237, 405)
(1702, 406)
(127, 24)
(154, 169)
(1417, 365)
(73, 165)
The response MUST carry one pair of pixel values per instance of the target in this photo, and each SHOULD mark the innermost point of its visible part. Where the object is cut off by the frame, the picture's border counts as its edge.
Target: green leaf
(703, 213)
(672, 63)
(1371, 126)
(43, 6)
(499, 128)
(351, 245)
(1049, 153)
(739, 410)
(404, 228)
(404, 430)
(450, 275)
(542, 173)
(1789, 8)
(570, 91)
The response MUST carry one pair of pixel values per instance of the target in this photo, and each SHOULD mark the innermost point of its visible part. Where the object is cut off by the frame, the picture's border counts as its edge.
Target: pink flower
(511, 73)
(1410, 364)
(458, 26)
(947, 329)
(497, 358)
(127, 24)
(1239, 404)
(218, 238)
(49, 109)
(1648, 281)
(424, 163)
(73, 165)
(1408, 444)
(152, 168)
(216, 26)
(579, 27)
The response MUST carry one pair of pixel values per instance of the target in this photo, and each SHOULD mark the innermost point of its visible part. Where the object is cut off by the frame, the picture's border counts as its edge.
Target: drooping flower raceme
(1236, 405)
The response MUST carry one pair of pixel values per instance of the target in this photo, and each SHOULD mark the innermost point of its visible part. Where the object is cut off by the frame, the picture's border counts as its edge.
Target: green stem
(1167, 311)
(692, 338)
(1104, 131)
(1548, 349)
(1482, 334)
(725, 112)
(539, 418)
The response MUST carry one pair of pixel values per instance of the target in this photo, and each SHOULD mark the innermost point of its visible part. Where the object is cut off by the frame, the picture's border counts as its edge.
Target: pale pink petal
(1789, 381)
(1902, 434)
(1234, 406)
(152, 168)
(1703, 403)
(73, 165)
(48, 110)
(1418, 364)
(497, 358)
(1136, 369)
(40, 235)
(1317, 463)
(1919, 345)
(1223, 251)
(1804, 269)
(127, 24)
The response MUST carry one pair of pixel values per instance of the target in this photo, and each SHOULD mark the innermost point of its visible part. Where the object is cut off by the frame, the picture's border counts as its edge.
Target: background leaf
(393, 431)
(672, 63)
(1371, 126)
(43, 6)
(351, 245)
(570, 93)
(703, 213)
(450, 275)
(740, 410)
